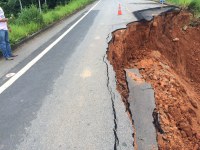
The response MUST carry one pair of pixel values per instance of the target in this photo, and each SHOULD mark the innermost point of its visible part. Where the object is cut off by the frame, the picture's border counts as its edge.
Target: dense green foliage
(183, 3)
(14, 6)
(30, 20)
(193, 5)
(28, 15)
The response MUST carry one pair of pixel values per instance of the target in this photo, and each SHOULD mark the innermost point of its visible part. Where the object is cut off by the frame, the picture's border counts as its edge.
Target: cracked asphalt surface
(68, 99)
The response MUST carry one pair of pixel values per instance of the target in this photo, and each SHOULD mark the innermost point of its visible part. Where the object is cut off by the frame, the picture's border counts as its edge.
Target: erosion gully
(166, 51)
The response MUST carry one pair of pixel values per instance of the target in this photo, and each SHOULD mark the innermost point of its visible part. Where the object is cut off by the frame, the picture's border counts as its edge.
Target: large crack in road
(112, 97)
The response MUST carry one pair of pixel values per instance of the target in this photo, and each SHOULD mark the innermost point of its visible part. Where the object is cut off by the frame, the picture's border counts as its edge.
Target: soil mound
(166, 50)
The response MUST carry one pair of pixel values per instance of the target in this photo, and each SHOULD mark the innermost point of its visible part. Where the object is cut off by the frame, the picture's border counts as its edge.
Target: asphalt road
(67, 99)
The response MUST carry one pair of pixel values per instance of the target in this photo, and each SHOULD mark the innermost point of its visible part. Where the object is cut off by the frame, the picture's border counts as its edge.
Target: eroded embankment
(167, 53)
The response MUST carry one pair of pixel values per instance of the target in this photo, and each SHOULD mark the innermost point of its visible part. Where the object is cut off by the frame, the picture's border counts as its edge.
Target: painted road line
(38, 57)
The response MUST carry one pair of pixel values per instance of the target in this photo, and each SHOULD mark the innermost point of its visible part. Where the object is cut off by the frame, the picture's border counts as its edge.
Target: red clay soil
(166, 50)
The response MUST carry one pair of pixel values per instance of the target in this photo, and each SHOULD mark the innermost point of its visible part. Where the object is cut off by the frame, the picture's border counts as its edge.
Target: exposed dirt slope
(167, 52)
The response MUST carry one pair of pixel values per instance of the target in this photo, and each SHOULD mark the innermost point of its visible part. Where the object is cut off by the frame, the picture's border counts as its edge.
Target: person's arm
(3, 19)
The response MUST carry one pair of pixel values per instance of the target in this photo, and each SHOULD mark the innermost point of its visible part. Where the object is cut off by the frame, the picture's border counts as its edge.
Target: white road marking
(38, 57)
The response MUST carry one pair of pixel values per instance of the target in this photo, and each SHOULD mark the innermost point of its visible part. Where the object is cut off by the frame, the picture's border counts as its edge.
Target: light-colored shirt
(3, 25)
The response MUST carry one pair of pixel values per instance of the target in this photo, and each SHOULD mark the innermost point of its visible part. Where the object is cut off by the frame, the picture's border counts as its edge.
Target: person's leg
(3, 44)
(8, 48)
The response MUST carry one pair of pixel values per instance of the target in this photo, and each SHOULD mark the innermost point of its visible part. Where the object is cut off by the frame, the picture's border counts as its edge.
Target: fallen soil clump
(166, 50)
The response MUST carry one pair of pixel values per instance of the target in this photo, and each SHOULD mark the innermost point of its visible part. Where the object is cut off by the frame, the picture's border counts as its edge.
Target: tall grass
(61, 11)
(183, 3)
(20, 31)
(193, 5)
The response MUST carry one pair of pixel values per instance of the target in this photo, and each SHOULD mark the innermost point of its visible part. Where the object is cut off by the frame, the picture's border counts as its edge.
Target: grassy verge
(19, 32)
(182, 3)
(192, 5)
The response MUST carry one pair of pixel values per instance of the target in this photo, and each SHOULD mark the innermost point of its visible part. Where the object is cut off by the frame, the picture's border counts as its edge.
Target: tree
(16, 6)
(20, 3)
(39, 6)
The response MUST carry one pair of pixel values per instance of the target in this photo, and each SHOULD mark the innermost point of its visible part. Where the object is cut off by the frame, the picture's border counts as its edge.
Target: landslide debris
(166, 50)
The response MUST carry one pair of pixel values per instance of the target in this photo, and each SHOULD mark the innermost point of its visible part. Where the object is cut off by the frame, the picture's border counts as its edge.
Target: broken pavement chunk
(142, 105)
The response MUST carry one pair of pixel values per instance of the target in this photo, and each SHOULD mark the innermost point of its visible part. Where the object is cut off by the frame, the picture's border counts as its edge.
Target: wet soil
(166, 50)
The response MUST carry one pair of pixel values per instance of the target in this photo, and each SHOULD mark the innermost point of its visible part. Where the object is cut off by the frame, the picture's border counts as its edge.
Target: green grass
(19, 32)
(183, 3)
(195, 7)
(192, 5)
(62, 11)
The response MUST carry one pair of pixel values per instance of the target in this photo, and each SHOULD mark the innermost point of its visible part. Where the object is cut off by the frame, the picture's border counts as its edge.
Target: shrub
(21, 31)
(29, 15)
(30, 20)
(45, 8)
(48, 19)
(195, 6)
(183, 3)
(18, 32)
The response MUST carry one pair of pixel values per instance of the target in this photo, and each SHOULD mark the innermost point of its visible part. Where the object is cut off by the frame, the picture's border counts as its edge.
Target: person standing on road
(4, 39)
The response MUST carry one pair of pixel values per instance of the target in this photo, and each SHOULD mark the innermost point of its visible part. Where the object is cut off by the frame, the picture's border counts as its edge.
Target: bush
(45, 8)
(48, 17)
(30, 20)
(18, 32)
(29, 15)
(21, 31)
(192, 5)
(195, 6)
(61, 11)
(183, 3)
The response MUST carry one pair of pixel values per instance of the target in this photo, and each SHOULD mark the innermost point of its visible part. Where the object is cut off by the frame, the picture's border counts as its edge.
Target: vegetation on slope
(192, 5)
(31, 20)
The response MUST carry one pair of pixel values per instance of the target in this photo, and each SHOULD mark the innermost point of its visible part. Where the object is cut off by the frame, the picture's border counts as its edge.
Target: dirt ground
(166, 50)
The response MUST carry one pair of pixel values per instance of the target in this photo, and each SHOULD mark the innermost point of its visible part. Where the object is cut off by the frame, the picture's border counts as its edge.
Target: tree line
(13, 7)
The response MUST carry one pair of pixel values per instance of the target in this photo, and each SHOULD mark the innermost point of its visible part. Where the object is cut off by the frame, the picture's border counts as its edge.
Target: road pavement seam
(39, 56)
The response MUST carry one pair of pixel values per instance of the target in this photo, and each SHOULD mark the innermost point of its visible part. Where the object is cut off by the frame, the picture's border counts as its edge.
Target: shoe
(13, 55)
(8, 58)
